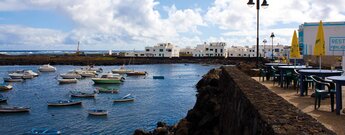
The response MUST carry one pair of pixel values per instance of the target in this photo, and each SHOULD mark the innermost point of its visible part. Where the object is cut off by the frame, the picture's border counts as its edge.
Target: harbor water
(166, 100)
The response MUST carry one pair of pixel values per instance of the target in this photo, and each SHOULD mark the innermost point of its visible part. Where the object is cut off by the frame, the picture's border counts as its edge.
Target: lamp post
(265, 41)
(272, 36)
(264, 5)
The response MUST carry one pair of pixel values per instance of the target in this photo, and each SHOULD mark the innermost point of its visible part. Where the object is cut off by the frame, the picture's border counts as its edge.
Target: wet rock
(140, 132)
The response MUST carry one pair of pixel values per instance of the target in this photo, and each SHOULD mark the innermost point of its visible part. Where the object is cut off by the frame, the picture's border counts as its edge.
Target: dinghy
(97, 112)
(14, 109)
(64, 103)
(127, 98)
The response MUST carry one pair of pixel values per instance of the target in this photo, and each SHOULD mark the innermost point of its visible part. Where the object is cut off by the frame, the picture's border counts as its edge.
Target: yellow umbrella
(294, 51)
(319, 48)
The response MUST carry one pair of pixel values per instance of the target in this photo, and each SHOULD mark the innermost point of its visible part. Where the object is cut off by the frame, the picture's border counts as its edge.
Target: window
(230, 54)
(147, 50)
(154, 50)
(206, 49)
(160, 50)
(159, 55)
(239, 54)
(221, 50)
(211, 49)
(142, 54)
(276, 50)
(215, 50)
(169, 50)
(244, 55)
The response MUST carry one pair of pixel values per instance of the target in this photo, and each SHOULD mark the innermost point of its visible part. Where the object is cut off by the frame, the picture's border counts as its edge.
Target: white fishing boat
(16, 75)
(92, 68)
(70, 75)
(47, 68)
(66, 81)
(30, 72)
(87, 73)
(108, 79)
(127, 98)
(121, 70)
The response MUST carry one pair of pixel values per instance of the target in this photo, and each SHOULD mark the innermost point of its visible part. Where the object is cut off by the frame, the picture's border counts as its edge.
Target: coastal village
(215, 87)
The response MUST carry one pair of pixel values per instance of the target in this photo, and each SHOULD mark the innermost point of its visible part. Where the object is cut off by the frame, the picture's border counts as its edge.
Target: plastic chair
(320, 91)
(275, 74)
(262, 74)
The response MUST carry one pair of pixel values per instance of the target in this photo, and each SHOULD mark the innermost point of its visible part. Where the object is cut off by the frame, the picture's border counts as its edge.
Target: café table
(339, 81)
(268, 68)
(283, 69)
(318, 72)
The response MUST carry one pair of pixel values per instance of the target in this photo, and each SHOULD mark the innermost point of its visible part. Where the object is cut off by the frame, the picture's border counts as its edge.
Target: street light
(265, 41)
(264, 5)
(272, 36)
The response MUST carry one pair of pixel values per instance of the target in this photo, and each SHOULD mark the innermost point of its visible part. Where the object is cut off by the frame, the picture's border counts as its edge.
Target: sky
(134, 24)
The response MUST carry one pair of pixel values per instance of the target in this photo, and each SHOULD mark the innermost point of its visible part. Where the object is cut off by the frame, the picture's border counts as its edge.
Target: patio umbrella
(294, 52)
(319, 48)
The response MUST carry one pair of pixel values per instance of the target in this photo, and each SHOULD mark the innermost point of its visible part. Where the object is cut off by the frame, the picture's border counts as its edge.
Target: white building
(214, 49)
(188, 51)
(264, 51)
(162, 50)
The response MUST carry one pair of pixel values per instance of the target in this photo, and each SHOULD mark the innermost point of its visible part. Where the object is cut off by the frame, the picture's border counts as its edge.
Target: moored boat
(5, 86)
(158, 77)
(64, 103)
(80, 94)
(136, 73)
(47, 68)
(97, 112)
(13, 80)
(108, 79)
(16, 75)
(14, 109)
(70, 75)
(2, 98)
(103, 90)
(43, 131)
(121, 70)
(127, 98)
(66, 81)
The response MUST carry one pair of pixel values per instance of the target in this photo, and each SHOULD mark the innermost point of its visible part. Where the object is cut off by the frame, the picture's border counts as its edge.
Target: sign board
(336, 44)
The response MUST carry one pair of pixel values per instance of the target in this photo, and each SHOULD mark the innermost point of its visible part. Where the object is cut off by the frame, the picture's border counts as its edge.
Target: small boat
(127, 98)
(136, 73)
(64, 103)
(70, 75)
(158, 77)
(16, 75)
(5, 86)
(65, 81)
(97, 112)
(30, 72)
(43, 131)
(2, 98)
(14, 109)
(121, 70)
(108, 79)
(92, 68)
(80, 94)
(47, 68)
(103, 90)
(27, 76)
(13, 80)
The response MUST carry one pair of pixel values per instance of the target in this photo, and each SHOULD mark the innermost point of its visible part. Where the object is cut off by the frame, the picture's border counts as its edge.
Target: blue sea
(166, 100)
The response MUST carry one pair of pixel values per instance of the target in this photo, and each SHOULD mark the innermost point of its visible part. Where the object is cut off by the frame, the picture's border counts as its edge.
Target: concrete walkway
(306, 104)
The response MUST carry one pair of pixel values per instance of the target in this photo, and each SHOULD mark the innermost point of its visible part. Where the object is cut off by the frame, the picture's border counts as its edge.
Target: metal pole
(272, 48)
(257, 32)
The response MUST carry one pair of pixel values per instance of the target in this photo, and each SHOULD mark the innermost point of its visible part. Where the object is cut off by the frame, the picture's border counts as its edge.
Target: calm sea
(165, 100)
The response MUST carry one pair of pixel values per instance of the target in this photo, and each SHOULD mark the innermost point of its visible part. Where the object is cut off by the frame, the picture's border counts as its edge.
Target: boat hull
(14, 110)
(67, 81)
(83, 95)
(124, 100)
(106, 81)
(98, 113)
(7, 87)
(64, 104)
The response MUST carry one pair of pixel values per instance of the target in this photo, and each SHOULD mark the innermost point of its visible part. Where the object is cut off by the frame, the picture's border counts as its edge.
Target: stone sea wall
(229, 102)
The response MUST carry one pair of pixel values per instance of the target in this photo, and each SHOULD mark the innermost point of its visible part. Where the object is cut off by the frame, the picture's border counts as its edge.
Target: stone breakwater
(230, 102)
(113, 60)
